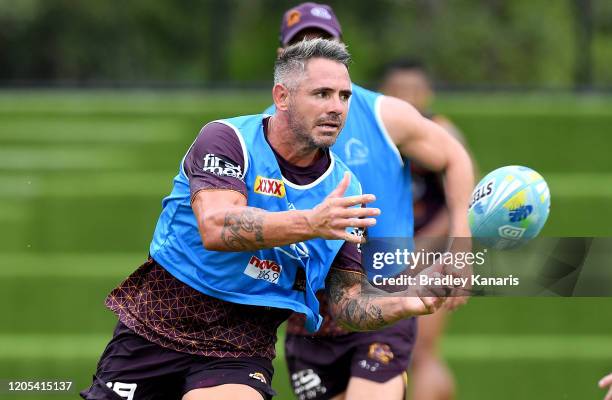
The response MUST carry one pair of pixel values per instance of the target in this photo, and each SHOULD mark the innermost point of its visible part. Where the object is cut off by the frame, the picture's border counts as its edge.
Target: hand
(605, 382)
(451, 300)
(413, 306)
(453, 303)
(422, 300)
(330, 219)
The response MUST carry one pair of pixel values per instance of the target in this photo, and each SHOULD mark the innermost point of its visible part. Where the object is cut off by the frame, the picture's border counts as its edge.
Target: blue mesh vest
(366, 148)
(261, 277)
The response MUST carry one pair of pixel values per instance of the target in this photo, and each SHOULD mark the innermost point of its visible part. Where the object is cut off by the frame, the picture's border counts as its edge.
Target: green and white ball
(509, 207)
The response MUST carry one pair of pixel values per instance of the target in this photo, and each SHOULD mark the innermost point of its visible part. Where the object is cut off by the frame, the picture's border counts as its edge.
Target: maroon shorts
(320, 367)
(134, 368)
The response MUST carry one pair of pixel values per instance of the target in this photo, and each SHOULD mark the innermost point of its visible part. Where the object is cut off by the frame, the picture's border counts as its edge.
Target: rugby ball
(509, 207)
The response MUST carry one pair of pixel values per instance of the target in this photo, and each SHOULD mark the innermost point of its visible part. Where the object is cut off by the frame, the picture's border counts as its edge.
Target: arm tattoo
(243, 230)
(351, 306)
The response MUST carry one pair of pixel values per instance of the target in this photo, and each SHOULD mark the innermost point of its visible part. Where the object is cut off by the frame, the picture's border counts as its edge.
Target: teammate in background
(431, 379)
(377, 143)
(606, 382)
(256, 222)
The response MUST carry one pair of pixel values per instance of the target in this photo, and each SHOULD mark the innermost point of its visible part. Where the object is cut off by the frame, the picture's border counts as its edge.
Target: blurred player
(376, 144)
(256, 222)
(606, 382)
(430, 377)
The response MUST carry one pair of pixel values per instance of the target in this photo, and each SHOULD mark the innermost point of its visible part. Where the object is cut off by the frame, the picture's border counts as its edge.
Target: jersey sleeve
(348, 259)
(215, 160)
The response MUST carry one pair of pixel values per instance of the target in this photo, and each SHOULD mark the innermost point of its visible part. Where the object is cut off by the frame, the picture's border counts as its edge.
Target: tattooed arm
(359, 306)
(226, 223)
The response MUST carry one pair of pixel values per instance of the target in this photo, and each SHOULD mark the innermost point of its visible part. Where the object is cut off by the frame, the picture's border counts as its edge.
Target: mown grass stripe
(463, 347)
(479, 347)
(63, 131)
(193, 101)
(70, 265)
(99, 184)
(81, 158)
(118, 183)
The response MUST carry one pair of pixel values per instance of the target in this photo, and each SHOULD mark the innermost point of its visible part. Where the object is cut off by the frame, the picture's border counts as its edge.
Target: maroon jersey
(427, 192)
(428, 196)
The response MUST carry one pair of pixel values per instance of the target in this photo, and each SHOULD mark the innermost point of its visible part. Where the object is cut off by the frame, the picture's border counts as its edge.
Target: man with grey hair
(260, 211)
(381, 138)
(295, 58)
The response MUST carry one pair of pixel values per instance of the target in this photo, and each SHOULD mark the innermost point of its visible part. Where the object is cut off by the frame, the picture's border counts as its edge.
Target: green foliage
(466, 42)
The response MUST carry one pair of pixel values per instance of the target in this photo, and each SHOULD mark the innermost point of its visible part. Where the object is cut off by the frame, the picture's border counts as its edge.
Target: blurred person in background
(430, 377)
(378, 145)
(256, 222)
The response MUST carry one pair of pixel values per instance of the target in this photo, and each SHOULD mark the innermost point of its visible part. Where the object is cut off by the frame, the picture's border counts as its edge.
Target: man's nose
(337, 106)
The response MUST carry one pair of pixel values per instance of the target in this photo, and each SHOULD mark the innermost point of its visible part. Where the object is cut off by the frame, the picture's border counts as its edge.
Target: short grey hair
(294, 58)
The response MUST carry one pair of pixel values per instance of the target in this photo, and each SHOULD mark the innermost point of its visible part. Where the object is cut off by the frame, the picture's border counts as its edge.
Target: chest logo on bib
(269, 187)
(267, 270)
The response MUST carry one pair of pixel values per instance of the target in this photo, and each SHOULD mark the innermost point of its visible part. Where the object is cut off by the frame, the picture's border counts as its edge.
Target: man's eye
(344, 97)
(321, 95)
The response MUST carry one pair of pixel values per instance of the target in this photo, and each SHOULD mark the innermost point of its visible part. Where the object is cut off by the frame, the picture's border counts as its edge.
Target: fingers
(605, 381)
(332, 217)
(351, 201)
(455, 302)
(354, 213)
(354, 223)
(422, 305)
(415, 306)
(432, 304)
(361, 212)
(342, 186)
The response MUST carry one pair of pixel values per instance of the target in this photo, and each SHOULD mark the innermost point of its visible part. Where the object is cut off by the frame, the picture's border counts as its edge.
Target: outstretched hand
(331, 217)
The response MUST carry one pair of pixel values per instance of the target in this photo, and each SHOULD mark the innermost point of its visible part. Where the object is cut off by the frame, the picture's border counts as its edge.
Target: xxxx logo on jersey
(269, 187)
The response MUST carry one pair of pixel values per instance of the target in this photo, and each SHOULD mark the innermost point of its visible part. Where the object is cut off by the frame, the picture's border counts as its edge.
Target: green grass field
(82, 175)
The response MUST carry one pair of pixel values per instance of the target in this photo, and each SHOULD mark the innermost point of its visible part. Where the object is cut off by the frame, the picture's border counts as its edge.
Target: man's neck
(284, 142)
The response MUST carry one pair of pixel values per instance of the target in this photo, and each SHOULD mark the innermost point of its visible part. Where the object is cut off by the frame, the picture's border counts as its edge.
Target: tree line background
(217, 43)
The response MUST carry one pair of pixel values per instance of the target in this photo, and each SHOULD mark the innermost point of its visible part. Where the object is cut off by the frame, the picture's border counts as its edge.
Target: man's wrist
(302, 222)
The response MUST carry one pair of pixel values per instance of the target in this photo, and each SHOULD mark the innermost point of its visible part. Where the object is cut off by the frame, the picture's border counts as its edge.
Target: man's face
(409, 85)
(318, 105)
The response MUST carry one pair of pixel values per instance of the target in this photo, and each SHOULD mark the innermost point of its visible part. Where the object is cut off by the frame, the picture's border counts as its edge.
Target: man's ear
(279, 50)
(280, 95)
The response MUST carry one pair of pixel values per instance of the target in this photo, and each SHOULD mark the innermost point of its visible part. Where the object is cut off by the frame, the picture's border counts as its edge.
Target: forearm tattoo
(356, 310)
(243, 230)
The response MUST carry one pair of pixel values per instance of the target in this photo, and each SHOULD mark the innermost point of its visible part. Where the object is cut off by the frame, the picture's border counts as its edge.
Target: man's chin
(325, 142)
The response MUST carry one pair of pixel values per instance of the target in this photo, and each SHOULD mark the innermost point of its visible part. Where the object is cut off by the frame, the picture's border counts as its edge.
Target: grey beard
(305, 140)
